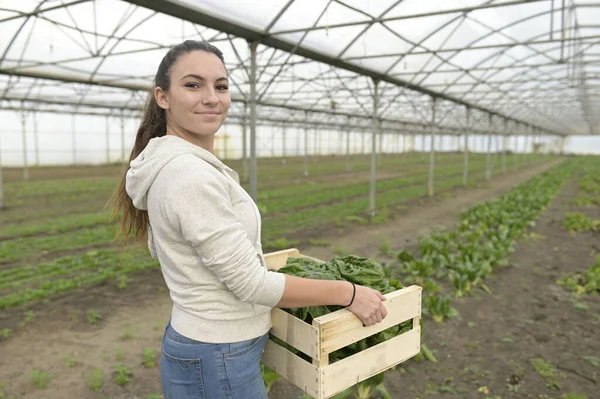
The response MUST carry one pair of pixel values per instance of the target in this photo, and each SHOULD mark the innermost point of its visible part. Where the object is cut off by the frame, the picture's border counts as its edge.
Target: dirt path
(417, 221)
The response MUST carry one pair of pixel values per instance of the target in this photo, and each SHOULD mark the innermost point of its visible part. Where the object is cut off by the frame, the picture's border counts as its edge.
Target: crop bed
(500, 286)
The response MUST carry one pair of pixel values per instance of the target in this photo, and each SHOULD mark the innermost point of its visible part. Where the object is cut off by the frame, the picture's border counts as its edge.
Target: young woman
(205, 230)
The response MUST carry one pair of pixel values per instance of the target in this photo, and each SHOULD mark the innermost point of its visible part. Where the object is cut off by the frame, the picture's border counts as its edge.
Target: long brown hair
(133, 221)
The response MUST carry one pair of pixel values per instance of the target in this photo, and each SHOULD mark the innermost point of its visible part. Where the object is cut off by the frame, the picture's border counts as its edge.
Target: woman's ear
(161, 98)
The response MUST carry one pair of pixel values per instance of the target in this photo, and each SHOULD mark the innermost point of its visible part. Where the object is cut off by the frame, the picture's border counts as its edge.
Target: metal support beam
(107, 140)
(488, 157)
(374, 147)
(504, 144)
(24, 137)
(305, 174)
(253, 165)
(466, 149)
(123, 161)
(36, 142)
(432, 148)
(283, 143)
(348, 147)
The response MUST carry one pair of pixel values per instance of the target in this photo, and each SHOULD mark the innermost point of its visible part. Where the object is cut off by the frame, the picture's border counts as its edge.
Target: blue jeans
(197, 370)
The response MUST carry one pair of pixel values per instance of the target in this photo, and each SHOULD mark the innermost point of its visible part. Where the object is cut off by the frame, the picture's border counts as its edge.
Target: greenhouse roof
(534, 62)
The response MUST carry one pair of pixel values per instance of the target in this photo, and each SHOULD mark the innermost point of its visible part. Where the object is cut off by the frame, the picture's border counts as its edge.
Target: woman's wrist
(348, 293)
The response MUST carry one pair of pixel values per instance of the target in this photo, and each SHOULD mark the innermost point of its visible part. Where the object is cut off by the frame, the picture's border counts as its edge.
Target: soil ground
(527, 306)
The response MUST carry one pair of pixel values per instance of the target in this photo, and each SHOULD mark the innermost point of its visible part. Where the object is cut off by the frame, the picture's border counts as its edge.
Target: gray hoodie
(205, 231)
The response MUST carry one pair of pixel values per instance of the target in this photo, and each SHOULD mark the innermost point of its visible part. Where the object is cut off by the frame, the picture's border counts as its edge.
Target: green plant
(29, 316)
(122, 282)
(96, 380)
(270, 377)
(149, 357)
(40, 378)
(70, 361)
(7, 332)
(120, 354)
(122, 374)
(93, 316)
(128, 334)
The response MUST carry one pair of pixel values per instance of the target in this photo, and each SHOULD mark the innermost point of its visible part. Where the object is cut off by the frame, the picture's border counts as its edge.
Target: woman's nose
(210, 97)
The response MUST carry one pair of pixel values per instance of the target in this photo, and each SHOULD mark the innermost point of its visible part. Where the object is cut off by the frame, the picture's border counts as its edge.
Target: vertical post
(432, 148)
(348, 146)
(123, 140)
(504, 144)
(36, 143)
(423, 146)
(531, 133)
(515, 146)
(488, 156)
(1, 188)
(107, 140)
(74, 139)
(305, 174)
(525, 137)
(466, 149)
(245, 143)
(24, 137)
(380, 149)
(253, 171)
(283, 134)
(404, 151)
(375, 133)
(363, 148)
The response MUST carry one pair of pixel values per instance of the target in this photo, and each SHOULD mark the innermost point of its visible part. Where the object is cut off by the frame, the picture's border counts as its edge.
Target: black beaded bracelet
(353, 294)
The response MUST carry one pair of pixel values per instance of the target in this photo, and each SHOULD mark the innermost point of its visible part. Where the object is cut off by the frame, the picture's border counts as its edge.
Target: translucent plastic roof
(533, 62)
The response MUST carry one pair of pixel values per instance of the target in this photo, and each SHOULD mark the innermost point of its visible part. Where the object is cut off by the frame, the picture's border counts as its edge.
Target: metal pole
(283, 134)
(404, 151)
(466, 149)
(36, 144)
(432, 148)
(375, 124)
(488, 168)
(423, 145)
(107, 141)
(253, 174)
(1, 181)
(23, 128)
(305, 174)
(1, 188)
(504, 145)
(515, 146)
(245, 143)
(74, 140)
(380, 150)
(525, 138)
(348, 146)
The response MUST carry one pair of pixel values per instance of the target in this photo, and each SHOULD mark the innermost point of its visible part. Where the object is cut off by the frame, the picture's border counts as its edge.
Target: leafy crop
(587, 282)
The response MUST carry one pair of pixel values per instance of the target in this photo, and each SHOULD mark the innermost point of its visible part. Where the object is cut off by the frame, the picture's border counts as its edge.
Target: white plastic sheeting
(533, 61)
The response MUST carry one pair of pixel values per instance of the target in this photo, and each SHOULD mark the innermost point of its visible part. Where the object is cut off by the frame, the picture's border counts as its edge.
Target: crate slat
(295, 332)
(342, 328)
(293, 368)
(372, 361)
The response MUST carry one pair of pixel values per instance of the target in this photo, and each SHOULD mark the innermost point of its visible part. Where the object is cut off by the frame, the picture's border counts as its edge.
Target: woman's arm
(301, 292)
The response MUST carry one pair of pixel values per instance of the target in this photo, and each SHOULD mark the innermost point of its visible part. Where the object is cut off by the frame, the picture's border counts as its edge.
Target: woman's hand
(368, 305)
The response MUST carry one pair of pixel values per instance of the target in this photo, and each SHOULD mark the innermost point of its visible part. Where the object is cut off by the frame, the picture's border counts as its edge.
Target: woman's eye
(223, 87)
(192, 84)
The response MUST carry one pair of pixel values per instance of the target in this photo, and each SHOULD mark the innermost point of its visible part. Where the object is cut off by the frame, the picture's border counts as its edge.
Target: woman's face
(198, 100)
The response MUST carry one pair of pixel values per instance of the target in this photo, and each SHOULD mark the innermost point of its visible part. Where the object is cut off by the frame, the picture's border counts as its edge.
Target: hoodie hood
(159, 152)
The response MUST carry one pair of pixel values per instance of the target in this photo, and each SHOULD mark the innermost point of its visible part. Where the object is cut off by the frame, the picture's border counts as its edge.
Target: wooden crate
(334, 331)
